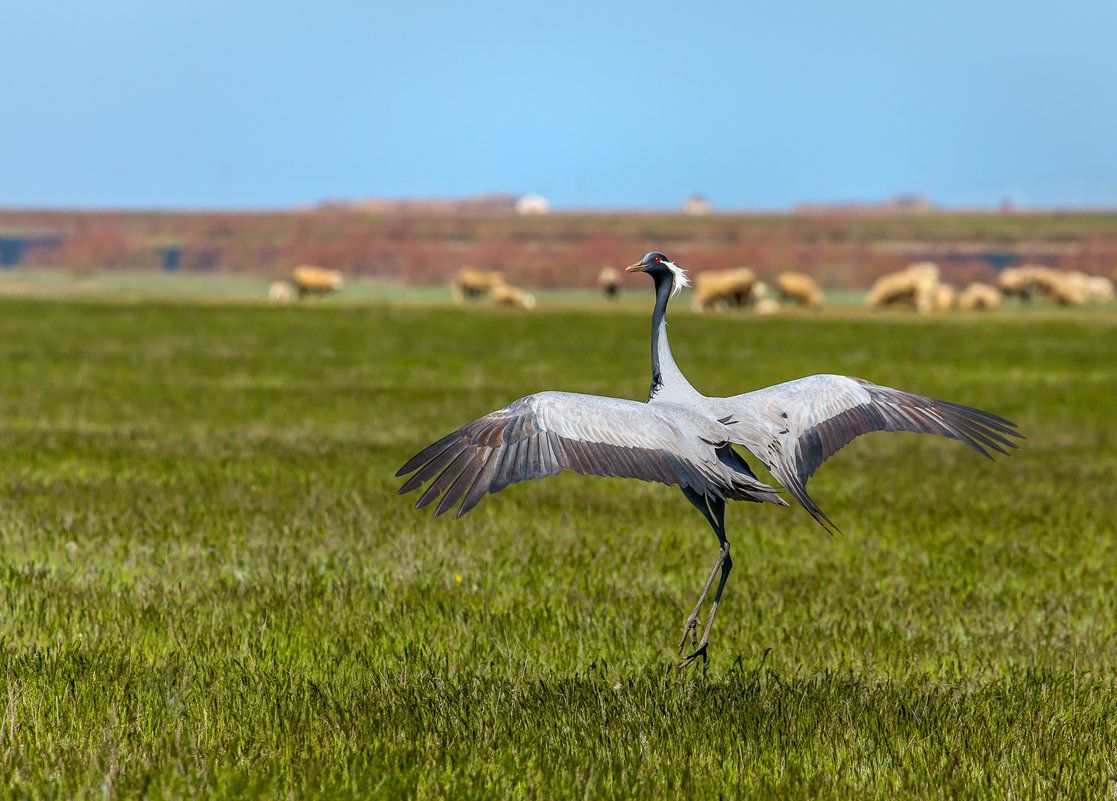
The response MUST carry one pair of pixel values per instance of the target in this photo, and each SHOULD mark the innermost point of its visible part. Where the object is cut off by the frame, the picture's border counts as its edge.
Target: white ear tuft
(678, 277)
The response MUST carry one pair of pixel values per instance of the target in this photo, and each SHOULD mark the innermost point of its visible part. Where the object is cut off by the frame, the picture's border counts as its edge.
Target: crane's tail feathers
(798, 488)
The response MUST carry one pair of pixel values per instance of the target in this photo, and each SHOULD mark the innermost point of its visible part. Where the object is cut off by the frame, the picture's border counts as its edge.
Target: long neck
(668, 381)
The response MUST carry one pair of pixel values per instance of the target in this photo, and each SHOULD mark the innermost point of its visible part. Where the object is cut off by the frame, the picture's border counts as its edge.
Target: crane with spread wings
(682, 438)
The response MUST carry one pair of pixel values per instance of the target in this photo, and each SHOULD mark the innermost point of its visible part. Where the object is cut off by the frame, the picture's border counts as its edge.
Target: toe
(692, 658)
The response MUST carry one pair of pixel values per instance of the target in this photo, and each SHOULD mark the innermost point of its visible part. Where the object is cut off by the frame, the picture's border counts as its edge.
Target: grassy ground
(210, 588)
(143, 286)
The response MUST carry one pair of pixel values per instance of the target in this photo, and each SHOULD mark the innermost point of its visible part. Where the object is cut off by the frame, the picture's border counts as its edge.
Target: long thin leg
(714, 511)
(691, 626)
(726, 566)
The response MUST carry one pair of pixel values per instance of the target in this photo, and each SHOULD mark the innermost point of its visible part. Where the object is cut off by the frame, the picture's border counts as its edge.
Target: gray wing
(544, 434)
(794, 427)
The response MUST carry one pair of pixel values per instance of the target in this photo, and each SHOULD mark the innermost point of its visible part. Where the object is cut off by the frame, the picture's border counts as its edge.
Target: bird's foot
(700, 651)
(690, 628)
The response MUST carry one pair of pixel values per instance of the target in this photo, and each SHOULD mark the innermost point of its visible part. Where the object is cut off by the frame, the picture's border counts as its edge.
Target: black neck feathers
(659, 315)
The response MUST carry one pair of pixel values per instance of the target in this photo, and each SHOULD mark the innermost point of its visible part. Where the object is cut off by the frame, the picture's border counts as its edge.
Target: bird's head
(661, 268)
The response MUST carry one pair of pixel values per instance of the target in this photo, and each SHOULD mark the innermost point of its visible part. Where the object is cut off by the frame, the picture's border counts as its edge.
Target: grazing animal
(682, 438)
(912, 288)
(473, 284)
(512, 297)
(610, 282)
(281, 292)
(979, 297)
(1065, 287)
(309, 280)
(737, 288)
(1027, 281)
(1100, 289)
(1092, 288)
(944, 298)
(800, 289)
(766, 306)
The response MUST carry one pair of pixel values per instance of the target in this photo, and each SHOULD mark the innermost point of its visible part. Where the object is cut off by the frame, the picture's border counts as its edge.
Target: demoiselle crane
(682, 438)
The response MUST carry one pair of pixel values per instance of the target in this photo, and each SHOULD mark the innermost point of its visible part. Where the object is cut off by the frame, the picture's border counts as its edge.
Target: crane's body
(680, 437)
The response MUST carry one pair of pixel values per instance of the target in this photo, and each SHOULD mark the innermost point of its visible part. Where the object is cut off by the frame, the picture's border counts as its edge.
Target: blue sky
(756, 105)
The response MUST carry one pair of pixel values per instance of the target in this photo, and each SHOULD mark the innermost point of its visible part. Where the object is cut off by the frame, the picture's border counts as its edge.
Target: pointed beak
(638, 267)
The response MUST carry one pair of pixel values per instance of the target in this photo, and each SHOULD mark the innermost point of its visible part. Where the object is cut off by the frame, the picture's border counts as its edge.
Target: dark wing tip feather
(980, 430)
(482, 483)
(437, 463)
(987, 418)
(444, 479)
(426, 454)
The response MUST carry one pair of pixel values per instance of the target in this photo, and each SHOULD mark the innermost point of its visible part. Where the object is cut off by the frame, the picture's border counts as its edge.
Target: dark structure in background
(172, 258)
(997, 257)
(14, 246)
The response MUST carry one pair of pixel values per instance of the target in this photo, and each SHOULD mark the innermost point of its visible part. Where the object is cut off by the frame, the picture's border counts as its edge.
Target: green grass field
(143, 286)
(211, 589)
